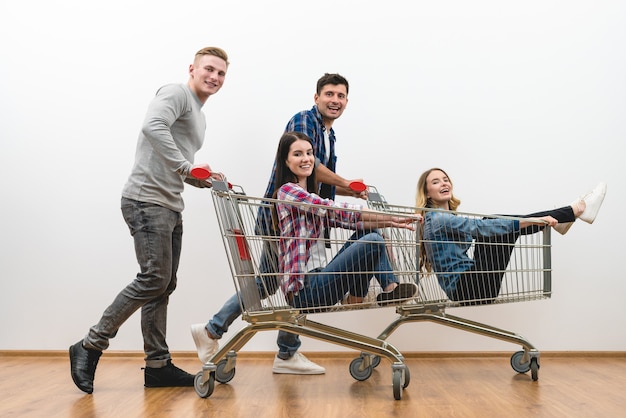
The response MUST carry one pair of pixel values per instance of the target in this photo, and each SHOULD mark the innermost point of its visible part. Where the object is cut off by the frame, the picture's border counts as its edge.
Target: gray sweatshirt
(172, 132)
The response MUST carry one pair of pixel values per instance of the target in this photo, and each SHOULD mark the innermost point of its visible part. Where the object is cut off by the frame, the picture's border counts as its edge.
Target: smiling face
(206, 75)
(301, 160)
(331, 102)
(439, 189)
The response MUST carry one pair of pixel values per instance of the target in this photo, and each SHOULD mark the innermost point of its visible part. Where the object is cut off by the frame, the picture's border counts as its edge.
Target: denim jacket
(447, 238)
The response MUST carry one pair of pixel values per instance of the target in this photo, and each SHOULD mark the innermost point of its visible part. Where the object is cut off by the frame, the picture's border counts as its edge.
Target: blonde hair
(423, 201)
(215, 51)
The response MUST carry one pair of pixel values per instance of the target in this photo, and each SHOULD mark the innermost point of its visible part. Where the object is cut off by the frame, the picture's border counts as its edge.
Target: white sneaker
(205, 345)
(593, 201)
(297, 364)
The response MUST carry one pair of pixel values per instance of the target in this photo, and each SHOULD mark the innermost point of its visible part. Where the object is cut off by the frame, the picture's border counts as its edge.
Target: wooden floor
(463, 386)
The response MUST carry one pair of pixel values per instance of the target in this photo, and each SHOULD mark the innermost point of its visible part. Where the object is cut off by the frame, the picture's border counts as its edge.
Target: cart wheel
(407, 377)
(375, 361)
(397, 384)
(534, 369)
(204, 390)
(516, 362)
(358, 372)
(222, 376)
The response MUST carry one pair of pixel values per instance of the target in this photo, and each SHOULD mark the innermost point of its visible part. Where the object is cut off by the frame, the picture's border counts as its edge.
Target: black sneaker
(83, 362)
(167, 376)
(402, 292)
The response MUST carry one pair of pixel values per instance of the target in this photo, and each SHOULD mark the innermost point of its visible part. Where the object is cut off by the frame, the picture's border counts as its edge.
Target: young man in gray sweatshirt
(172, 132)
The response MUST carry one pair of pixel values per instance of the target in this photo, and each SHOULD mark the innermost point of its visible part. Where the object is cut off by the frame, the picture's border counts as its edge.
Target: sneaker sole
(591, 216)
(300, 372)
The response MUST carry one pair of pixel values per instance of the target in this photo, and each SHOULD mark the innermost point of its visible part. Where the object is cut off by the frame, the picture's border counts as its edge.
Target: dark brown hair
(334, 79)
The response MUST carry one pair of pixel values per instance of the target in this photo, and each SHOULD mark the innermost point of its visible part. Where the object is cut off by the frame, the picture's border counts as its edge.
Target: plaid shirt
(301, 225)
(308, 122)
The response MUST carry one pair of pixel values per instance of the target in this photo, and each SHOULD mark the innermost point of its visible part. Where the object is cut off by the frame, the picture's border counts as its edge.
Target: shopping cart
(251, 252)
(523, 274)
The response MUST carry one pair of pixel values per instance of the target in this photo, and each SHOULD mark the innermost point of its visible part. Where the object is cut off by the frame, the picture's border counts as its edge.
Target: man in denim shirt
(331, 99)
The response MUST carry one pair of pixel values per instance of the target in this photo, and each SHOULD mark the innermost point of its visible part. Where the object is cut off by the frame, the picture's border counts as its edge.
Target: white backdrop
(523, 103)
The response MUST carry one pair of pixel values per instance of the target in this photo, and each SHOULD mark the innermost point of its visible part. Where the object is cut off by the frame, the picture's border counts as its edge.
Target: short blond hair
(215, 51)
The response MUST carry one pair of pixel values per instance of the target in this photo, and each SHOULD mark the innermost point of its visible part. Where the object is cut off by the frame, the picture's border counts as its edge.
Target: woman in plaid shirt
(301, 247)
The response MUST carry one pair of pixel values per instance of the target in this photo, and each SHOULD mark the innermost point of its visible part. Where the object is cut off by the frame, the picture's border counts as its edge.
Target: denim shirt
(447, 238)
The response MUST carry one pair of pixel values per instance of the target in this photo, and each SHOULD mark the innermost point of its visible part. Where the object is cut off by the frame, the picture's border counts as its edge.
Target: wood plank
(464, 386)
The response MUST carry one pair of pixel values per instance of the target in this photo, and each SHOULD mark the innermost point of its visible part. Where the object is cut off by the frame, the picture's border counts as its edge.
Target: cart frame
(233, 208)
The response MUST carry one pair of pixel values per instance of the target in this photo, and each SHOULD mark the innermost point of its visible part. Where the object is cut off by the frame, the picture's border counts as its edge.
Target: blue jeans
(384, 271)
(288, 343)
(349, 272)
(364, 251)
(157, 232)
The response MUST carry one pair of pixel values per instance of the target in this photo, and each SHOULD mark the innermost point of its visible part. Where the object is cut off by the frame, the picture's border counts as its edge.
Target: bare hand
(218, 176)
(406, 222)
(544, 220)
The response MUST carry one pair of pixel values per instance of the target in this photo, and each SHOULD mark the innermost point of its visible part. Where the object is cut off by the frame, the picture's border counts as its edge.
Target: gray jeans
(157, 233)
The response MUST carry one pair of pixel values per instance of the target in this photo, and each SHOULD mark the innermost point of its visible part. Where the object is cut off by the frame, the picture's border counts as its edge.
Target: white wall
(522, 102)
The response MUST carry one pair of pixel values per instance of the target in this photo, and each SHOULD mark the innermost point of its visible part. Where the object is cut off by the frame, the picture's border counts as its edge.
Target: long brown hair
(284, 174)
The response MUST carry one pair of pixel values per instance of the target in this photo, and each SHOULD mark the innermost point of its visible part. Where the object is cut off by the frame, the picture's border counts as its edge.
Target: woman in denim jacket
(447, 237)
